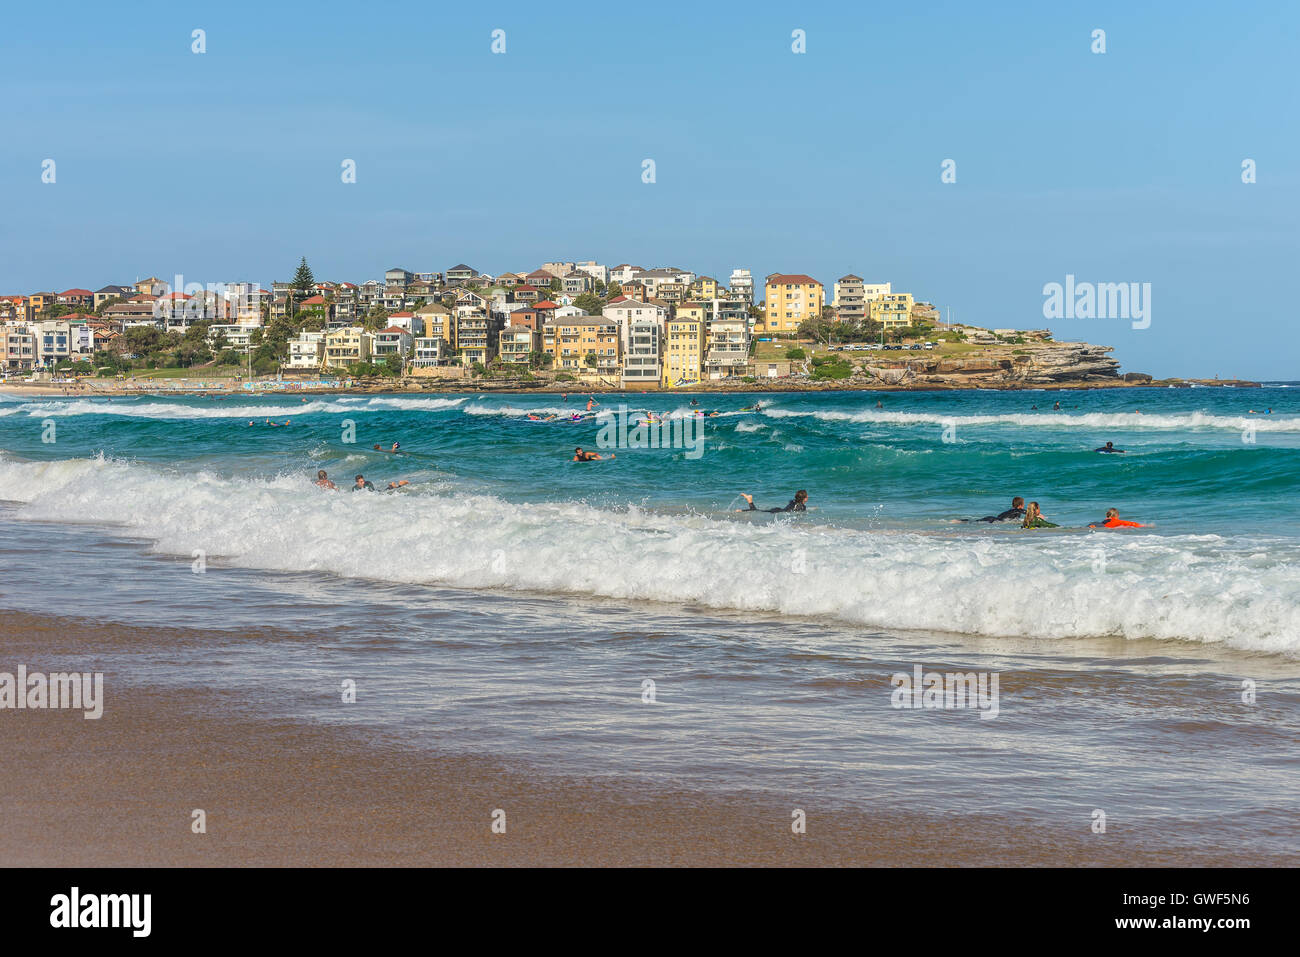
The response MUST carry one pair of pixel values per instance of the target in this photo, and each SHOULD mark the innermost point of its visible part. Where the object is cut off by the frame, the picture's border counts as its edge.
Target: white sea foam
(235, 407)
(1089, 421)
(1240, 592)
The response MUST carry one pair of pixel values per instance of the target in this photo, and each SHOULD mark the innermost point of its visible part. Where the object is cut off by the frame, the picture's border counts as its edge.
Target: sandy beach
(119, 791)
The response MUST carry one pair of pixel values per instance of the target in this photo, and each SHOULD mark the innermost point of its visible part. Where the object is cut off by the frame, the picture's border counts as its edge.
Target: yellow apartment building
(892, 310)
(791, 298)
(684, 341)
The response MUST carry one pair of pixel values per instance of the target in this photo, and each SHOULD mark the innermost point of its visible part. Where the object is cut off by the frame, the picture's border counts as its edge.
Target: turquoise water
(513, 601)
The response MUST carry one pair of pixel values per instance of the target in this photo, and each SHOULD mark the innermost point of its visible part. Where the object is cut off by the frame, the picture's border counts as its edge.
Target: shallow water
(510, 602)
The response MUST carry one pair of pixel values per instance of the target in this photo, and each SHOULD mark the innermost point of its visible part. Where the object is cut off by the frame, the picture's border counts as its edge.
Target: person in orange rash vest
(1114, 521)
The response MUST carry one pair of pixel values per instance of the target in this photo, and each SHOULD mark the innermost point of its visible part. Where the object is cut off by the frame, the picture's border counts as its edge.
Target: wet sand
(119, 791)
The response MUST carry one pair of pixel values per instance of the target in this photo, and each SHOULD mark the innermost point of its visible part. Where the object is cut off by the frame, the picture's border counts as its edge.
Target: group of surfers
(360, 483)
(1031, 516)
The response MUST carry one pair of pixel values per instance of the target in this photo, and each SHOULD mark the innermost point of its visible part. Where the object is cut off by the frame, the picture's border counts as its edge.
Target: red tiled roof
(76, 292)
(547, 304)
(314, 301)
(797, 279)
(397, 329)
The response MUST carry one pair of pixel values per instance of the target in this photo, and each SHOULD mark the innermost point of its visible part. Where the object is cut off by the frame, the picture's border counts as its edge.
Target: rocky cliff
(998, 366)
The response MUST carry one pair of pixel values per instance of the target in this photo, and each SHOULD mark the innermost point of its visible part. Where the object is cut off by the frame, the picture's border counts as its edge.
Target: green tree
(614, 290)
(304, 282)
(589, 303)
(590, 360)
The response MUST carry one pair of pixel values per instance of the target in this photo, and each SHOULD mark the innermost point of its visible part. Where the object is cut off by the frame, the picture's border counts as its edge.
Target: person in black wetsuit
(362, 485)
(797, 504)
(1014, 514)
(1109, 447)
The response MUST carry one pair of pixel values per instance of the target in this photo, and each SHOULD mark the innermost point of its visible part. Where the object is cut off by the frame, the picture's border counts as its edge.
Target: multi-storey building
(727, 348)
(791, 298)
(683, 350)
(571, 339)
(393, 341)
(892, 310)
(516, 344)
(742, 284)
(850, 304)
(438, 323)
(306, 351)
(476, 338)
(346, 346)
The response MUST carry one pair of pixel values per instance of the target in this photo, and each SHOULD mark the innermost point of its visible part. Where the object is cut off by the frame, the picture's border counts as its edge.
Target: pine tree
(303, 281)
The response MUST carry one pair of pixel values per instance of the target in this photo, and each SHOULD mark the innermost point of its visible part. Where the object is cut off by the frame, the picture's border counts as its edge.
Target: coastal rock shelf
(1028, 364)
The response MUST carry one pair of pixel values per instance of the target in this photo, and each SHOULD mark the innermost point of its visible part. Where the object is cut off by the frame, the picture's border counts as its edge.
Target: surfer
(1109, 447)
(1263, 412)
(1114, 521)
(797, 504)
(580, 456)
(591, 401)
(1015, 512)
(1034, 518)
(323, 480)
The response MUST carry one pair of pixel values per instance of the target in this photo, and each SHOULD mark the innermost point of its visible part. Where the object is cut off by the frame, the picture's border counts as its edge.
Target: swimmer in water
(323, 480)
(797, 504)
(1110, 447)
(1264, 412)
(1034, 518)
(591, 401)
(1014, 513)
(362, 485)
(393, 486)
(1114, 521)
(580, 456)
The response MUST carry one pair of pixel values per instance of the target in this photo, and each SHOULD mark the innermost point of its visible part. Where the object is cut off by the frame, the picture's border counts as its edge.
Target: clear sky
(1117, 167)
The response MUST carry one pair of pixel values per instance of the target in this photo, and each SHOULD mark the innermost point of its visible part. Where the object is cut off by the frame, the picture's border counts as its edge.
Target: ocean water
(511, 602)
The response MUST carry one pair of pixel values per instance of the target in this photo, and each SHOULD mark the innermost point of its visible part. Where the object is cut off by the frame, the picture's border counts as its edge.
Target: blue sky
(1115, 167)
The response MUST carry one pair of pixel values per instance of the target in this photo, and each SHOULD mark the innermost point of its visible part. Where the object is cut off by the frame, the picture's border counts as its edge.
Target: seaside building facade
(892, 310)
(791, 298)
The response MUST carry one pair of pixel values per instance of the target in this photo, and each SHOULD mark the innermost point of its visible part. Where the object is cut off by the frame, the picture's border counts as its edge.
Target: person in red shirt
(1114, 521)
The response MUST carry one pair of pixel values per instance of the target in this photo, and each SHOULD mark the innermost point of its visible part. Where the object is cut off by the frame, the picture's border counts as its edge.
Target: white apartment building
(306, 350)
(742, 284)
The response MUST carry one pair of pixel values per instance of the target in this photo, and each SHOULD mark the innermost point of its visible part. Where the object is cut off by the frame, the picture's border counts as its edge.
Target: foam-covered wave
(1243, 592)
(228, 409)
(1089, 421)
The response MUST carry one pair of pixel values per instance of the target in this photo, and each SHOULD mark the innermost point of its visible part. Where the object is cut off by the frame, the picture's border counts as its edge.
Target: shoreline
(410, 387)
(277, 791)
